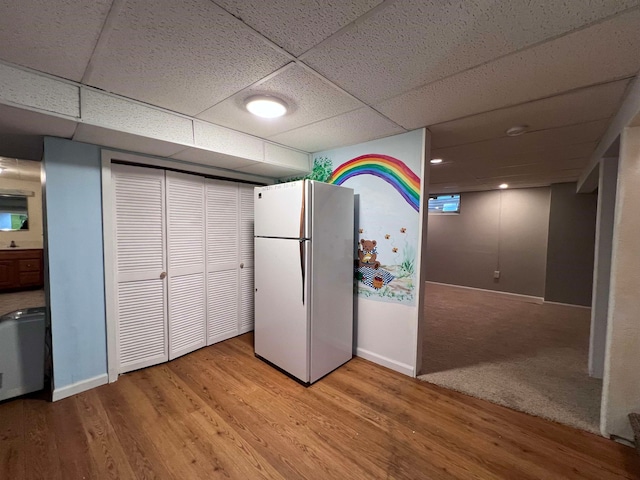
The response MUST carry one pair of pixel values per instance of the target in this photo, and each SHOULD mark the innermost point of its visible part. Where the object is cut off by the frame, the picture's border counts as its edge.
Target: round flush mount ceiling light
(265, 106)
(503, 186)
(517, 130)
(435, 161)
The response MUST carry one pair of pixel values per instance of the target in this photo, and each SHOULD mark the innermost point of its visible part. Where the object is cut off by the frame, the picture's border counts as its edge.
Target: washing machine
(22, 352)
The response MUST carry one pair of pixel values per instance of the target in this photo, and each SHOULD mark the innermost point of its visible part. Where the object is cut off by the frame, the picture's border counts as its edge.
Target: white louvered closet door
(186, 263)
(246, 258)
(139, 238)
(223, 258)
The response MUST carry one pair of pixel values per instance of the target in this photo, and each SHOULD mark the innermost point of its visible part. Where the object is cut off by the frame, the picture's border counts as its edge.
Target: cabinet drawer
(28, 279)
(8, 254)
(32, 265)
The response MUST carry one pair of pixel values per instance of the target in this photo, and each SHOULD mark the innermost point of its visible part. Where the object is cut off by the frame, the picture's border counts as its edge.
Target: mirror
(14, 214)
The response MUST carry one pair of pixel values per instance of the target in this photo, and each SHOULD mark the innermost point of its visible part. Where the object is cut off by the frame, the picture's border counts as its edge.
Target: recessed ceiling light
(517, 130)
(265, 106)
(503, 186)
(435, 161)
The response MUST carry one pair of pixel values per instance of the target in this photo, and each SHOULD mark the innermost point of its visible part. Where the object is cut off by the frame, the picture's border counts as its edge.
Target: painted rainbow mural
(389, 169)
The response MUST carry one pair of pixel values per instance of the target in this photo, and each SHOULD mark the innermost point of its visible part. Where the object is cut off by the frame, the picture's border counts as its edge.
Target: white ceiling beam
(588, 181)
(30, 90)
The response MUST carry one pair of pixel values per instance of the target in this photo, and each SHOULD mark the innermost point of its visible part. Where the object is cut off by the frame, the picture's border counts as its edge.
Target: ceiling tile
(541, 168)
(309, 98)
(579, 106)
(297, 26)
(125, 141)
(514, 147)
(56, 37)
(122, 114)
(212, 159)
(524, 181)
(450, 173)
(558, 176)
(16, 121)
(22, 131)
(223, 140)
(347, 129)
(604, 52)
(550, 154)
(429, 40)
(34, 90)
(185, 56)
(270, 170)
(287, 157)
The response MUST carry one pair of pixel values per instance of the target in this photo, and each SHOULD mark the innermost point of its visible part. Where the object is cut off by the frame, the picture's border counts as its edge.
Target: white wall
(33, 236)
(386, 330)
(607, 181)
(621, 383)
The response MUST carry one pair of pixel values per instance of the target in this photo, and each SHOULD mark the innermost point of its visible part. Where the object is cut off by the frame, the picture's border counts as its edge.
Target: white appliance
(304, 254)
(22, 352)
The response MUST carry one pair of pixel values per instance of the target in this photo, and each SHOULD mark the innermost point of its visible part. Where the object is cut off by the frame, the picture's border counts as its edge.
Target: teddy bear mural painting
(367, 254)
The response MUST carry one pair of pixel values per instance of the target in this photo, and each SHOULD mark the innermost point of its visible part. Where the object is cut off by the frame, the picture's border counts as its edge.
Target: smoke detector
(517, 130)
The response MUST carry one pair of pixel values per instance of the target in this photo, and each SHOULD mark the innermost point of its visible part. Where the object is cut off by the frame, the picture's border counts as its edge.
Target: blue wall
(76, 274)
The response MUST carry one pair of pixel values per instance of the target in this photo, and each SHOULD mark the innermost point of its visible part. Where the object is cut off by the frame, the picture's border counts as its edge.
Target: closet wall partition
(183, 252)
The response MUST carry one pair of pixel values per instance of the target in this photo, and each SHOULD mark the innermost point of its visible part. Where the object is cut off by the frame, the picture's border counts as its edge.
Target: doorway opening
(25, 336)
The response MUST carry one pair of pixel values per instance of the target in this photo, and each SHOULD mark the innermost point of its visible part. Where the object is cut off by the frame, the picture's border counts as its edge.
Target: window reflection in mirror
(14, 213)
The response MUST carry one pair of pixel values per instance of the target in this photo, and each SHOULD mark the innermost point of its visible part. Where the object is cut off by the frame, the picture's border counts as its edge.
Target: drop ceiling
(351, 71)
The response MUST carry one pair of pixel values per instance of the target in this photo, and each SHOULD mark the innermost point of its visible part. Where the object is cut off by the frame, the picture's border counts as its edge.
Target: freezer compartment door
(331, 340)
(280, 210)
(281, 304)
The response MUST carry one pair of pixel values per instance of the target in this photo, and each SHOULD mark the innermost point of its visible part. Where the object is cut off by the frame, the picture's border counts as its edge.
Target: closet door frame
(108, 205)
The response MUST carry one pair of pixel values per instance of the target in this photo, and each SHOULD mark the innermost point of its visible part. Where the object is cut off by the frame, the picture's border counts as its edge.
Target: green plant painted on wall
(407, 266)
(321, 171)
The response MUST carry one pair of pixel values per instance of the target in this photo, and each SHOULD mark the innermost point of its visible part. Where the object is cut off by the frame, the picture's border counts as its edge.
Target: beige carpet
(10, 302)
(513, 352)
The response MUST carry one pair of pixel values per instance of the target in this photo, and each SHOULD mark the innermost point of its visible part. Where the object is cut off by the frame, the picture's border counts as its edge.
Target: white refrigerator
(304, 277)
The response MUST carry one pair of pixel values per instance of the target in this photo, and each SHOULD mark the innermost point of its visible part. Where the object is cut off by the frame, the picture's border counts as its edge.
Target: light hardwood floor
(221, 413)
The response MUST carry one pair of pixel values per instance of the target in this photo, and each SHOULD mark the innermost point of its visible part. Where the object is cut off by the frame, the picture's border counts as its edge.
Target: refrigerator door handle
(302, 212)
(302, 252)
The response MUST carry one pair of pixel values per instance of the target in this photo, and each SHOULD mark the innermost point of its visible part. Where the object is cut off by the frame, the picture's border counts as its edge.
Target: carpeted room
(522, 339)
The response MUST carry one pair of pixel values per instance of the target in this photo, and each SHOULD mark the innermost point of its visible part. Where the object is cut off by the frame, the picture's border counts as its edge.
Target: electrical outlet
(496, 274)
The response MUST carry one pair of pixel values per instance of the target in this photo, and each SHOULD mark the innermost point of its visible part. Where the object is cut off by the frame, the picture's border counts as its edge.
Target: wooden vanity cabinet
(21, 269)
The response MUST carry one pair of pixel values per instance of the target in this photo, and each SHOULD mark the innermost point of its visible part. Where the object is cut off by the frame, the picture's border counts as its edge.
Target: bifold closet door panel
(140, 263)
(247, 293)
(186, 262)
(223, 259)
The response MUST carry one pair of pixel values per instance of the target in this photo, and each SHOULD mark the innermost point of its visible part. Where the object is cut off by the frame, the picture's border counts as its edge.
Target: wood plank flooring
(221, 413)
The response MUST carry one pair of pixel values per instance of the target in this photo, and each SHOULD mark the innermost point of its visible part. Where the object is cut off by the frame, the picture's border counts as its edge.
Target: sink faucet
(13, 244)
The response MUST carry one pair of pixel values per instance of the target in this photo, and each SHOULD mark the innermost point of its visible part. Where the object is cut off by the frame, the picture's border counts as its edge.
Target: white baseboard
(567, 304)
(79, 387)
(530, 298)
(385, 362)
